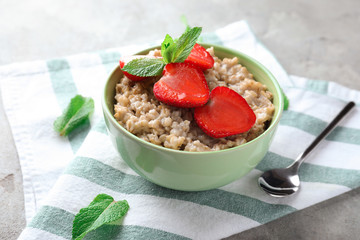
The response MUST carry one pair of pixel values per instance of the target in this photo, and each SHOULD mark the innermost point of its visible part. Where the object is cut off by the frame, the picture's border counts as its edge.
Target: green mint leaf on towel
(75, 115)
(102, 210)
(171, 50)
(145, 67)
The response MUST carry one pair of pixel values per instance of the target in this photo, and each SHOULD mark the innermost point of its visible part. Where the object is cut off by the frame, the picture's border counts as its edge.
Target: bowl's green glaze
(192, 171)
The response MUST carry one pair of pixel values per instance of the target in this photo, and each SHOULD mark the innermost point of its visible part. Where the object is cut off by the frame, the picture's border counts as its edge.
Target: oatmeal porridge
(138, 111)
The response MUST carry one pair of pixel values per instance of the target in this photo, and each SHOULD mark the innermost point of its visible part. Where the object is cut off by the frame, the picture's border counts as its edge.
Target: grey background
(318, 39)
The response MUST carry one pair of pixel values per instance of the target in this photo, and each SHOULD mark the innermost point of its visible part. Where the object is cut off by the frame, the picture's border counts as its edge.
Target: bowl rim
(274, 123)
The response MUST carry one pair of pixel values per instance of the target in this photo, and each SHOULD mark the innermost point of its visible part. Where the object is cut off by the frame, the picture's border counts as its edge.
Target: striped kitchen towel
(85, 164)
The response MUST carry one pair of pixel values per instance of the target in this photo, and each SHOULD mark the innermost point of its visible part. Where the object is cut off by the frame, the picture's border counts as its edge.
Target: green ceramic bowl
(192, 171)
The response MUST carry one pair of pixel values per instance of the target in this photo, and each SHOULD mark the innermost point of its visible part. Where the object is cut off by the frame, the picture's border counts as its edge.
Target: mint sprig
(172, 51)
(102, 210)
(76, 114)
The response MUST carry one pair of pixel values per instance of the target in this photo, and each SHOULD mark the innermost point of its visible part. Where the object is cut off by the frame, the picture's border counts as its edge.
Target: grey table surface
(318, 39)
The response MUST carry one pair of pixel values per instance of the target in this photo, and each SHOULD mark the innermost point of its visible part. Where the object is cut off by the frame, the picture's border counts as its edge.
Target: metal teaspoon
(283, 182)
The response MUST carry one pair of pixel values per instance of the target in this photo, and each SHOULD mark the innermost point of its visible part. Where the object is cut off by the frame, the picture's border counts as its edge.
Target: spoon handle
(324, 133)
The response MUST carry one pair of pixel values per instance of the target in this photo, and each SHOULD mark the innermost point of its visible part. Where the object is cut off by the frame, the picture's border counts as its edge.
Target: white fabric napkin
(86, 164)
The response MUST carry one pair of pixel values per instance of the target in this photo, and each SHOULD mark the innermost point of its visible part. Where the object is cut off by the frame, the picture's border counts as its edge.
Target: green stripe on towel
(116, 232)
(62, 81)
(318, 86)
(59, 222)
(105, 175)
(110, 60)
(315, 126)
(100, 127)
(314, 173)
(53, 220)
(64, 88)
(211, 38)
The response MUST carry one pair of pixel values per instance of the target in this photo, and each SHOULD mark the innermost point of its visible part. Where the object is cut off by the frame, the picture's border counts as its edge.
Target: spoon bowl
(280, 182)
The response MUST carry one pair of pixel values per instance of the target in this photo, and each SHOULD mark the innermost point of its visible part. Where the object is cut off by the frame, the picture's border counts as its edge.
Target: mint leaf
(145, 67)
(102, 210)
(167, 48)
(76, 114)
(185, 44)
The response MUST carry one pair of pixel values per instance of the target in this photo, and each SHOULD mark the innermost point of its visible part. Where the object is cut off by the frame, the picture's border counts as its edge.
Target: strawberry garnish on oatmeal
(227, 113)
(182, 85)
(200, 57)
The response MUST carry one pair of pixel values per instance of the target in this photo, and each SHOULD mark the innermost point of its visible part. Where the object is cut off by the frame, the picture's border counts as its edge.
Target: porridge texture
(138, 111)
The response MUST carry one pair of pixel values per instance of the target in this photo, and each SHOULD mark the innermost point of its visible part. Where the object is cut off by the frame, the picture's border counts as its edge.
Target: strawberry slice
(200, 57)
(227, 113)
(182, 85)
(126, 59)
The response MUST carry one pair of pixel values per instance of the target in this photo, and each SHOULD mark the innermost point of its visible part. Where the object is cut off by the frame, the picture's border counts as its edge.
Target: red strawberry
(200, 57)
(182, 85)
(126, 59)
(227, 113)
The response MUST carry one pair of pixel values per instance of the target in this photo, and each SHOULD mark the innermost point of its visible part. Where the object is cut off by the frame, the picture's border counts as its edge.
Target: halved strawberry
(126, 59)
(200, 57)
(227, 113)
(182, 85)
